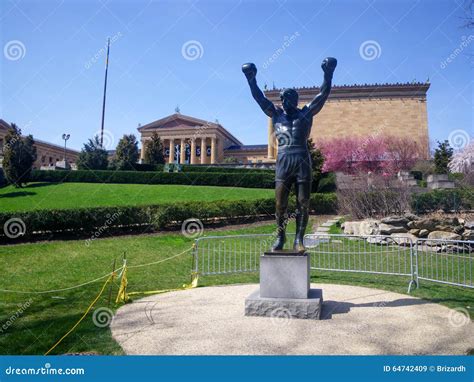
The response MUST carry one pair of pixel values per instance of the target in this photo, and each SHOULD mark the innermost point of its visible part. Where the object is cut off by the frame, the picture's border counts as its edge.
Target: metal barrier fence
(443, 261)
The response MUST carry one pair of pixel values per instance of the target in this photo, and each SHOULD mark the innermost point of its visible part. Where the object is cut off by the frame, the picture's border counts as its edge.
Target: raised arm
(250, 71)
(328, 66)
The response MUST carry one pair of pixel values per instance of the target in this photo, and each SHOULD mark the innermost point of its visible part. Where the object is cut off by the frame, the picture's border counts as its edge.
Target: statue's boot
(301, 223)
(281, 236)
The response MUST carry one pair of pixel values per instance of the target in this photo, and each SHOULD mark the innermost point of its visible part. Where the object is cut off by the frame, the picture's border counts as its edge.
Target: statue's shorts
(293, 165)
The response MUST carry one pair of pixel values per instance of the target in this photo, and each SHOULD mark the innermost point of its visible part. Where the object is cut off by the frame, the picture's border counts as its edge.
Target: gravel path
(356, 320)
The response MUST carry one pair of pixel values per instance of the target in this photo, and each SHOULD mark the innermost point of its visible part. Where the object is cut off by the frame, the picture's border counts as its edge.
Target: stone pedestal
(285, 288)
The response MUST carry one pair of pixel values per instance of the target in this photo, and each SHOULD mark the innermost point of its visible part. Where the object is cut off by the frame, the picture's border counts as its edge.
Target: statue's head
(289, 100)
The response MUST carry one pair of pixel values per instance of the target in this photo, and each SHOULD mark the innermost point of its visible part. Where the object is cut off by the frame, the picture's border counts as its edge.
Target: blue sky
(53, 82)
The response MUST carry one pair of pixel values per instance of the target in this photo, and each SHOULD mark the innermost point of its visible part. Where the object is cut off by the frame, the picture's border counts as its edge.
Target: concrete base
(306, 308)
(284, 274)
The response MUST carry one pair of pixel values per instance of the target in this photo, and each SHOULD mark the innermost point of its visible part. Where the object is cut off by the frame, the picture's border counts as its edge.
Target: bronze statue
(292, 127)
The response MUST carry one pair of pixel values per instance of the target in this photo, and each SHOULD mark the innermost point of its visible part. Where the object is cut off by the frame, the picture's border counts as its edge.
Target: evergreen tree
(442, 157)
(19, 155)
(93, 156)
(127, 153)
(154, 150)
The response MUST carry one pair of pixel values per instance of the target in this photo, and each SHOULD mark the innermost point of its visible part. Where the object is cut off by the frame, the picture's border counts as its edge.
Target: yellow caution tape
(193, 284)
(83, 316)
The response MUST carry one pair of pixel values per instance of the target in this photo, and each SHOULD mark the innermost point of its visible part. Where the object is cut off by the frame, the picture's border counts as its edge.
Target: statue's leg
(303, 193)
(282, 191)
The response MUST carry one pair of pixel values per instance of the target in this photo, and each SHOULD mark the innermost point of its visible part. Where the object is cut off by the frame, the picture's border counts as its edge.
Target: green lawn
(76, 195)
(35, 322)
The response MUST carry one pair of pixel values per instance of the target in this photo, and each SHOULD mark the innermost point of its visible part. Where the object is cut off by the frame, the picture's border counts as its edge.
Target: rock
(351, 228)
(386, 229)
(403, 238)
(458, 229)
(423, 233)
(411, 216)
(395, 220)
(445, 228)
(450, 221)
(411, 224)
(461, 221)
(442, 235)
(468, 234)
(376, 240)
(369, 227)
(469, 225)
(427, 223)
(415, 231)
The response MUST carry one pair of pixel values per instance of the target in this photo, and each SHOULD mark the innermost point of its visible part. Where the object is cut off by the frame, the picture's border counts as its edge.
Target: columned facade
(188, 140)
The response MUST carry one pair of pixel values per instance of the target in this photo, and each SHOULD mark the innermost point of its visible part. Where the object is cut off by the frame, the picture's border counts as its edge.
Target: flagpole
(105, 91)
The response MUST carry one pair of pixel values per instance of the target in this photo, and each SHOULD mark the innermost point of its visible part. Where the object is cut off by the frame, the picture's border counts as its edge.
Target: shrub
(446, 200)
(95, 220)
(251, 180)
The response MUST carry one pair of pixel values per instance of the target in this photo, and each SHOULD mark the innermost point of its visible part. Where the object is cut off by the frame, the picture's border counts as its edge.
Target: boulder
(443, 235)
(395, 220)
(427, 223)
(404, 238)
(468, 234)
(351, 228)
(423, 233)
(458, 229)
(386, 229)
(411, 224)
(445, 228)
(411, 216)
(369, 227)
(376, 240)
(415, 231)
(469, 224)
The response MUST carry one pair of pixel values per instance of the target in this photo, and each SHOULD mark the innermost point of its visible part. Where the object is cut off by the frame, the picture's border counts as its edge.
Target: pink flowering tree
(373, 154)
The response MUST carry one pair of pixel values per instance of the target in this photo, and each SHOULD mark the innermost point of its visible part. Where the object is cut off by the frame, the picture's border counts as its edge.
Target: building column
(193, 150)
(182, 151)
(271, 139)
(213, 150)
(172, 153)
(142, 152)
(203, 150)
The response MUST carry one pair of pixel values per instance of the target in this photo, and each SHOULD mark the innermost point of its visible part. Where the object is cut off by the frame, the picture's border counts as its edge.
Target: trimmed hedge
(446, 200)
(251, 180)
(94, 221)
(214, 169)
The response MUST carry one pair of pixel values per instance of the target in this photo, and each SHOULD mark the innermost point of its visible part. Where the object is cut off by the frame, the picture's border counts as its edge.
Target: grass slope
(76, 195)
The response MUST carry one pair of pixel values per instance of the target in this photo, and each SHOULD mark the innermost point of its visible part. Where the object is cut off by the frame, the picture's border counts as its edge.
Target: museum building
(351, 110)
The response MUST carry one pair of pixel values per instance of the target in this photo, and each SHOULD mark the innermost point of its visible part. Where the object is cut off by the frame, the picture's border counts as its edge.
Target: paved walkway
(356, 320)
